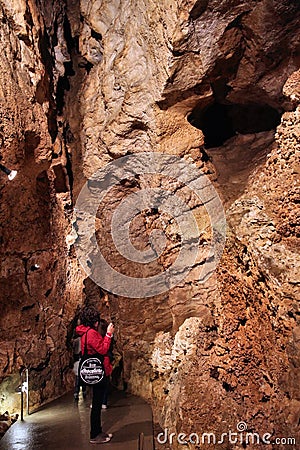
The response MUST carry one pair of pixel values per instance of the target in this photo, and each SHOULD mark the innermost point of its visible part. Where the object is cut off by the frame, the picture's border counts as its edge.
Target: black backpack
(91, 367)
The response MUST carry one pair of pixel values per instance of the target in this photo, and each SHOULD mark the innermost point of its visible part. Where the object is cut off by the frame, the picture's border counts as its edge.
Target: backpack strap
(85, 344)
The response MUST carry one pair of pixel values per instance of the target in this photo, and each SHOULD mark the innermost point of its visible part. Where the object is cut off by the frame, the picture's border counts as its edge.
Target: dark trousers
(98, 395)
(106, 392)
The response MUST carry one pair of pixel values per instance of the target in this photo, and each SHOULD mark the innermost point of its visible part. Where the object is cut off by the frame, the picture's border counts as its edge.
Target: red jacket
(95, 344)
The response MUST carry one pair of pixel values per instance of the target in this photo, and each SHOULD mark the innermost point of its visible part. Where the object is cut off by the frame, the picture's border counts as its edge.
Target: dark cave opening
(63, 83)
(220, 122)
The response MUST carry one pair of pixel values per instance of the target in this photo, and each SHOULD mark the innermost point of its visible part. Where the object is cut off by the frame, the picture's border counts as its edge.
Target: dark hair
(89, 316)
(103, 324)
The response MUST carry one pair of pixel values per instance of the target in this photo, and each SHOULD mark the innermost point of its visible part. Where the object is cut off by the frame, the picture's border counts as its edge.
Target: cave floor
(64, 425)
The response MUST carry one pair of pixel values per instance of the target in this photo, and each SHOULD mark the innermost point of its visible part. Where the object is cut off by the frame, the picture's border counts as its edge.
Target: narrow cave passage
(83, 86)
(219, 122)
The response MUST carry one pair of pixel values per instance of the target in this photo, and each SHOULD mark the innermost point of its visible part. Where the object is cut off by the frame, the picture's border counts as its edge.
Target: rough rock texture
(121, 77)
(40, 286)
(243, 330)
(6, 420)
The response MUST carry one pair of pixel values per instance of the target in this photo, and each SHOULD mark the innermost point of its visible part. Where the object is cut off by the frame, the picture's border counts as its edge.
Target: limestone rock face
(214, 82)
(37, 296)
(238, 364)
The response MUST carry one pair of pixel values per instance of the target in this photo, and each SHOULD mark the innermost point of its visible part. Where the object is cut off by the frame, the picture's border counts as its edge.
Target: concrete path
(64, 425)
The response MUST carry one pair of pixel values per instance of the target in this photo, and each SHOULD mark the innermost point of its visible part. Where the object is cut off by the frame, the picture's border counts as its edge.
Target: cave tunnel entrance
(220, 122)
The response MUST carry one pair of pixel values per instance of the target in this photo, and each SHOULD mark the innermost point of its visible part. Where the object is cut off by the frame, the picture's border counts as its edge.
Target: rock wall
(40, 283)
(101, 80)
(232, 340)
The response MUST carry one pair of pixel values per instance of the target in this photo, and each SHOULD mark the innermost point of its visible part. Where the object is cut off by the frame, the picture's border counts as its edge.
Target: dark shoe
(102, 438)
(76, 396)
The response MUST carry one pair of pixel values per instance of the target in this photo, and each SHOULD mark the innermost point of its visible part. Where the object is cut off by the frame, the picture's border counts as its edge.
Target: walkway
(64, 425)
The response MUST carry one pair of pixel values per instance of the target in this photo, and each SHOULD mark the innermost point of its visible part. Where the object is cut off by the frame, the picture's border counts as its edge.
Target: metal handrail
(24, 388)
(141, 441)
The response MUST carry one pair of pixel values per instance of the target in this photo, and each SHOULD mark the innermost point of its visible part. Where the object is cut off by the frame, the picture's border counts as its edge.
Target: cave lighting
(10, 173)
(22, 388)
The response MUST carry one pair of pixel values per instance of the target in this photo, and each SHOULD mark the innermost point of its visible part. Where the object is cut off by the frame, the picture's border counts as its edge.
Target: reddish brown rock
(214, 82)
(38, 298)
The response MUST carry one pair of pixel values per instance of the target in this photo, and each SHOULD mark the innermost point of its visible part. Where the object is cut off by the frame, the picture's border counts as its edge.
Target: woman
(108, 359)
(96, 344)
